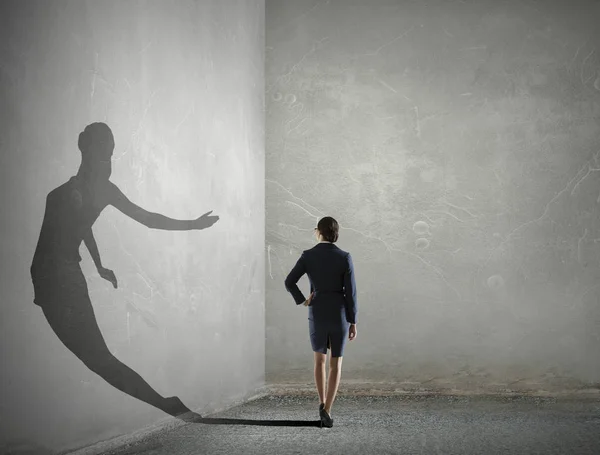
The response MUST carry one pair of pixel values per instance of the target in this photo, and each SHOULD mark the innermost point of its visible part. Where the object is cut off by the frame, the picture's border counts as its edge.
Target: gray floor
(281, 425)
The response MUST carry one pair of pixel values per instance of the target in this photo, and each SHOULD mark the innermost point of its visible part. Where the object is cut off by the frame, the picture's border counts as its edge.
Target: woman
(332, 307)
(59, 284)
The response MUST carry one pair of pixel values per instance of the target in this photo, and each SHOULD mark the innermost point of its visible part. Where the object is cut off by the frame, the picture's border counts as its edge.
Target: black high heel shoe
(326, 420)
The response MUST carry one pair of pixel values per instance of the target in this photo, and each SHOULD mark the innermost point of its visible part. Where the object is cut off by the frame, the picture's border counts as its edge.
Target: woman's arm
(351, 303)
(293, 278)
(156, 220)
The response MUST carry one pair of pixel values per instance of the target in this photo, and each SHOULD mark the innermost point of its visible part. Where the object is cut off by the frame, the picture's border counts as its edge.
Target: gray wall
(181, 85)
(458, 145)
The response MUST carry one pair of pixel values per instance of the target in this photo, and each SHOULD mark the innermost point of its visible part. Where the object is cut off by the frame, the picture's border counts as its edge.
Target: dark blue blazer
(331, 275)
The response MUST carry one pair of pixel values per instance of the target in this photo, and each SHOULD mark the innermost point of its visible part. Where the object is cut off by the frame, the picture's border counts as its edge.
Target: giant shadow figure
(59, 284)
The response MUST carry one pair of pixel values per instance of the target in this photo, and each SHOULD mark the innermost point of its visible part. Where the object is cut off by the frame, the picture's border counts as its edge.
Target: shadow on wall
(59, 285)
(61, 289)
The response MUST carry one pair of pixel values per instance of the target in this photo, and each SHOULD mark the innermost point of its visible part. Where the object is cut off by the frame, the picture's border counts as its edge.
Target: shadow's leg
(75, 325)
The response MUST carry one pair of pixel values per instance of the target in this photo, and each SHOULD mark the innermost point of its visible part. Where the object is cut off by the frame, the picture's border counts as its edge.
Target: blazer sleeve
(293, 278)
(350, 291)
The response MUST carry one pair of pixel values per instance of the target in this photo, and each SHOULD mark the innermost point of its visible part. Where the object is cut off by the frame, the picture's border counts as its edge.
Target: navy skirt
(328, 326)
(323, 338)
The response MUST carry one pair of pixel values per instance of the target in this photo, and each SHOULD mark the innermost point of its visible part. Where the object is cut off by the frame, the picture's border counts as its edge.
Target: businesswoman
(332, 307)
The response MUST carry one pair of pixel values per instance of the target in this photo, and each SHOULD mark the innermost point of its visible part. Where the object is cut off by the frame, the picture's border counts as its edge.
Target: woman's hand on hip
(307, 302)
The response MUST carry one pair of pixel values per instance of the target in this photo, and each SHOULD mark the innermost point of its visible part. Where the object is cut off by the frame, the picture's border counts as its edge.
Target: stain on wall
(180, 85)
(457, 143)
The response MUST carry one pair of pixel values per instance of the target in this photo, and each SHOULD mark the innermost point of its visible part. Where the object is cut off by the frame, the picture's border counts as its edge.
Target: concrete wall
(458, 145)
(181, 86)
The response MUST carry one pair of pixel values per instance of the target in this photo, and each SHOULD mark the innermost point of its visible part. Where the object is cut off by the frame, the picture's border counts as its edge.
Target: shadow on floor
(197, 418)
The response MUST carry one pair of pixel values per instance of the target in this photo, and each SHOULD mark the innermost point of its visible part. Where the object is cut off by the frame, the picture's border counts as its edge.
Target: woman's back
(326, 266)
(331, 275)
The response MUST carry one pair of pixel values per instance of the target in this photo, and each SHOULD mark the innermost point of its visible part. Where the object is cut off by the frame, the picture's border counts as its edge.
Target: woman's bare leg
(320, 377)
(335, 373)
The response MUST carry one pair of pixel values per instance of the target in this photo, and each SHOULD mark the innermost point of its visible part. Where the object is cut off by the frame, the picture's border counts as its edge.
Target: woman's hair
(329, 229)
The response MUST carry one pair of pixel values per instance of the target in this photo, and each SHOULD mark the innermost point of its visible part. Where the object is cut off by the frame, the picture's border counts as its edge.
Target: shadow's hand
(108, 275)
(204, 221)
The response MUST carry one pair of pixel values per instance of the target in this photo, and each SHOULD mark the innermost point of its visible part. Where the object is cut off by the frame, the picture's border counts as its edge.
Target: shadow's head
(327, 229)
(96, 143)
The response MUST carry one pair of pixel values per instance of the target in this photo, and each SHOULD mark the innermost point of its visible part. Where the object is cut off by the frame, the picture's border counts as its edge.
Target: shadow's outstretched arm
(156, 220)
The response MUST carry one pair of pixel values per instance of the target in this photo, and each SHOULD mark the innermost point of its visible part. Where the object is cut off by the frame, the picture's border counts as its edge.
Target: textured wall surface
(181, 85)
(458, 145)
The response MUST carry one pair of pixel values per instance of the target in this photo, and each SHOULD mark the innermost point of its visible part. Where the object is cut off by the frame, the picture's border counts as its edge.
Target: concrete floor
(402, 424)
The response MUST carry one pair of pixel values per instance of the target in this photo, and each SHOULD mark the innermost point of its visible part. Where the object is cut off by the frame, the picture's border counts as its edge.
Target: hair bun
(93, 129)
